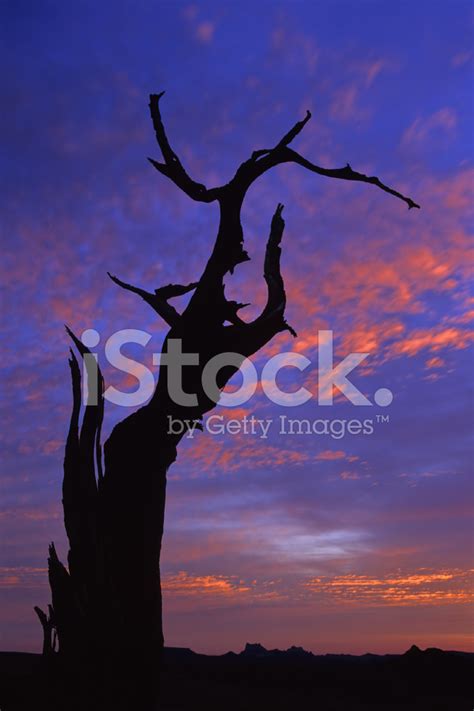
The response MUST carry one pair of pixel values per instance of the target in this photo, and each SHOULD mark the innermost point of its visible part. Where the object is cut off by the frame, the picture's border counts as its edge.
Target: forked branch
(228, 249)
(260, 161)
(250, 337)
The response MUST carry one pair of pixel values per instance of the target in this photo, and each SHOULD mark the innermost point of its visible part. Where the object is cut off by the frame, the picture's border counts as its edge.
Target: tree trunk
(132, 506)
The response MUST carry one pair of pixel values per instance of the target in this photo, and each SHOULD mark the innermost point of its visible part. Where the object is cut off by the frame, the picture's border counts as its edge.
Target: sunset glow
(353, 543)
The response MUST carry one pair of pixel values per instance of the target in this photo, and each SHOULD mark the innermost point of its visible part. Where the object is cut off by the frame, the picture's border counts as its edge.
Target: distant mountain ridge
(278, 680)
(255, 650)
(258, 650)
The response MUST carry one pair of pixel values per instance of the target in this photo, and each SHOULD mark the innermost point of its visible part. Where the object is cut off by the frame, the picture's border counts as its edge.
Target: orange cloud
(183, 588)
(216, 455)
(435, 362)
(434, 340)
(421, 587)
(190, 585)
(330, 454)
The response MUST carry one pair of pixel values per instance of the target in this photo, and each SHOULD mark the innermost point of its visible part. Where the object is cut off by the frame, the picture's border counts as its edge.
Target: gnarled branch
(284, 154)
(172, 167)
(248, 338)
(83, 460)
(276, 296)
(263, 160)
(228, 248)
(172, 290)
(159, 300)
(92, 423)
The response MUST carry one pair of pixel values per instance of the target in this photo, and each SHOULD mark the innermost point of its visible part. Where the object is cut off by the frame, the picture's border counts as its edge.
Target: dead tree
(106, 606)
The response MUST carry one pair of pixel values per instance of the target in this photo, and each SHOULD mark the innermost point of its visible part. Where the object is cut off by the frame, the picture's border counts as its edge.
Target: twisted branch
(172, 167)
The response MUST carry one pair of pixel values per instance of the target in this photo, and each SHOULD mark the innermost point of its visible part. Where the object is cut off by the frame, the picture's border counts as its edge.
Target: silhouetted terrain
(294, 679)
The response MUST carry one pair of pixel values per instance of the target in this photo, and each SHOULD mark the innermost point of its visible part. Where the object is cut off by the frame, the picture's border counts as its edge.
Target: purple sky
(354, 544)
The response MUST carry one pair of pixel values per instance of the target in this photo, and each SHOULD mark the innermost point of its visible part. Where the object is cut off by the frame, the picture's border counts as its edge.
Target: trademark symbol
(382, 418)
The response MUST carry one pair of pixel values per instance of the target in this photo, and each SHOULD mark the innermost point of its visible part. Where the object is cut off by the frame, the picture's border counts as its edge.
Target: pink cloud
(190, 12)
(373, 69)
(23, 577)
(297, 48)
(443, 121)
(434, 340)
(461, 58)
(344, 105)
(349, 475)
(205, 31)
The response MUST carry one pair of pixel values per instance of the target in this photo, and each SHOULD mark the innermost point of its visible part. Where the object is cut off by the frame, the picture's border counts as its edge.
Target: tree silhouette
(103, 631)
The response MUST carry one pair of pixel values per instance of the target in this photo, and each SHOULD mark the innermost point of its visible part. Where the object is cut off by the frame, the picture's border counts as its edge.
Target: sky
(338, 544)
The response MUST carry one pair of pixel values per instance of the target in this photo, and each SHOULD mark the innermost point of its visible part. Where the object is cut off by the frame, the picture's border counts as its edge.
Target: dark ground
(257, 679)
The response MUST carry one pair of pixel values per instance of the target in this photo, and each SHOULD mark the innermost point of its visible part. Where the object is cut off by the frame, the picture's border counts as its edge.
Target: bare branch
(228, 249)
(72, 442)
(292, 133)
(276, 298)
(264, 160)
(250, 337)
(90, 425)
(287, 138)
(345, 173)
(93, 419)
(83, 460)
(172, 167)
(47, 623)
(172, 290)
(159, 304)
